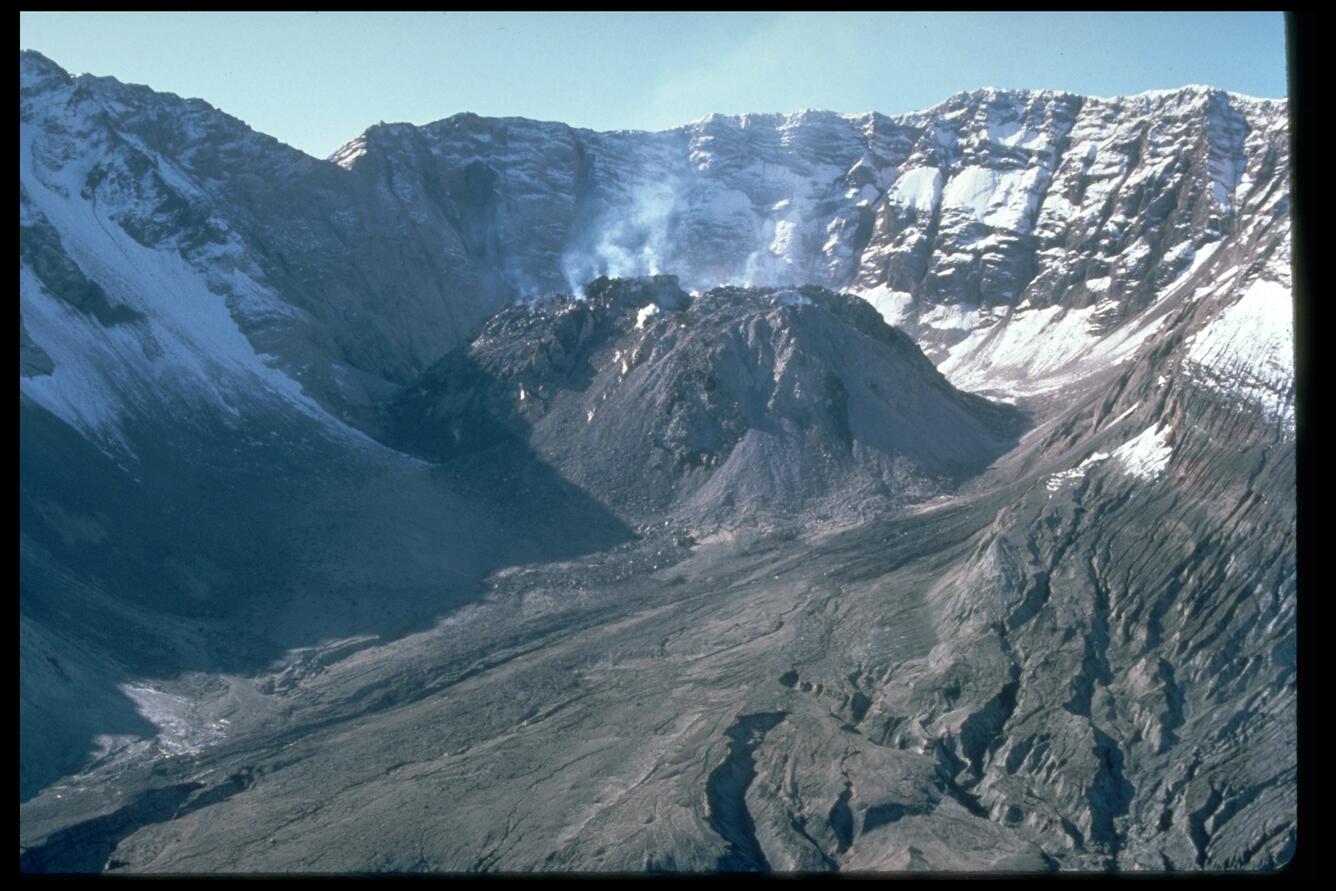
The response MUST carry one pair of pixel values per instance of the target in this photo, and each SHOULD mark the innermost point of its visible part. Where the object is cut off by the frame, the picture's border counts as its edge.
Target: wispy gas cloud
(630, 240)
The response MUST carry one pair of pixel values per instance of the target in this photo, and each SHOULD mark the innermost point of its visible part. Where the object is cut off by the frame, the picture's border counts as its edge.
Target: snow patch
(1058, 480)
(1147, 455)
(181, 729)
(1003, 356)
(1248, 349)
(1199, 257)
(918, 189)
(894, 306)
(1001, 199)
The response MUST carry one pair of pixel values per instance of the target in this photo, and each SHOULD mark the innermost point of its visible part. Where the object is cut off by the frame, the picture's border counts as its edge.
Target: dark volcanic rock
(738, 403)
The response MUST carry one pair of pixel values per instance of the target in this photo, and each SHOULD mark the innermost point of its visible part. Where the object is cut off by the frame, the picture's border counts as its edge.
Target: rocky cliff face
(991, 215)
(976, 216)
(809, 492)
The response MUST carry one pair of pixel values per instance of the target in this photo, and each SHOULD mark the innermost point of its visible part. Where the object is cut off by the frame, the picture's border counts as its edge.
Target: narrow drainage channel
(726, 794)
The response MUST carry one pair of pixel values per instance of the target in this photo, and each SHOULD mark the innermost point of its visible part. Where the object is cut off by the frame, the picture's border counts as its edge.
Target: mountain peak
(37, 70)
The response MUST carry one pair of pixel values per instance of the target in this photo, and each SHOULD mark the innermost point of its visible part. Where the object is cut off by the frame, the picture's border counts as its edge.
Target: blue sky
(317, 80)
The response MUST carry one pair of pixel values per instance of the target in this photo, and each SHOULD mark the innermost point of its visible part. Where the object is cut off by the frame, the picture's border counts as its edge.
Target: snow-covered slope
(243, 245)
(158, 330)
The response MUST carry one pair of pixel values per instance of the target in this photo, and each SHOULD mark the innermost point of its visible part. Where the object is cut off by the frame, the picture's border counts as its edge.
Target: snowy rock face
(980, 224)
(156, 198)
(992, 198)
(1002, 215)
